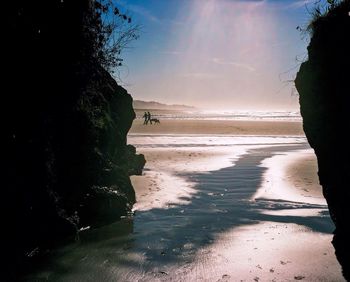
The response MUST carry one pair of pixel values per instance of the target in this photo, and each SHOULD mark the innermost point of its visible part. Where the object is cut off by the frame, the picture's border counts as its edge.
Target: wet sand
(212, 208)
(179, 126)
(277, 240)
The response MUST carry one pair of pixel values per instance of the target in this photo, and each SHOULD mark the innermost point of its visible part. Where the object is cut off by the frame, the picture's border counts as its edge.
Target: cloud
(246, 0)
(198, 75)
(139, 10)
(300, 3)
(231, 63)
(175, 53)
(176, 23)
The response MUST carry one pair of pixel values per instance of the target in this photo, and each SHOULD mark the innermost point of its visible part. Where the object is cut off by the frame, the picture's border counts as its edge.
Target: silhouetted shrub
(108, 31)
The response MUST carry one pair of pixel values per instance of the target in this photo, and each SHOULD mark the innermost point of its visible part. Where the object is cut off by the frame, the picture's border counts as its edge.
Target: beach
(213, 204)
(229, 127)
(280, 232)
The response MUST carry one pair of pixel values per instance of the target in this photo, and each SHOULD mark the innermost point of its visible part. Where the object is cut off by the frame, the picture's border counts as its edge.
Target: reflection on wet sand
(212, 228)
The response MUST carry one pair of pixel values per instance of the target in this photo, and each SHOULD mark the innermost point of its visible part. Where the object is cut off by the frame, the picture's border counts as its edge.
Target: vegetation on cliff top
(108, 32)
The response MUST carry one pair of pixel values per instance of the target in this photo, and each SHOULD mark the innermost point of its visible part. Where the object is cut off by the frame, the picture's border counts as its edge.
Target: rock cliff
(324, 89)
(65, 156)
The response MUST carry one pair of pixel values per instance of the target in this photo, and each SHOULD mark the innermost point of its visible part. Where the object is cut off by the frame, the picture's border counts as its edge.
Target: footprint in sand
(224, 278)
(163, 273)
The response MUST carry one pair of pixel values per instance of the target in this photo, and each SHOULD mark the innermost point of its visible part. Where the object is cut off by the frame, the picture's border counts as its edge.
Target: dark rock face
(324, 88)
(66, 162)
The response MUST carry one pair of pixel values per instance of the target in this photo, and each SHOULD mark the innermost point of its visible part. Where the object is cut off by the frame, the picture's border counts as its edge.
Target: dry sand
(303, 175)
(293, 177)
(230, 127)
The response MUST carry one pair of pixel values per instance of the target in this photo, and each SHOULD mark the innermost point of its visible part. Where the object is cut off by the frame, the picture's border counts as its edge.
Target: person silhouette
(149, 117)
(145, 116)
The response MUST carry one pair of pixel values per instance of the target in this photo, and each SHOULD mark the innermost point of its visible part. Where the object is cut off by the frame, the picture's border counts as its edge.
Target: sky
(216, 54)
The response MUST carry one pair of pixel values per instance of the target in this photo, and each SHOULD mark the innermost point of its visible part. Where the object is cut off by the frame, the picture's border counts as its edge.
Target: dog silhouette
(155, 120)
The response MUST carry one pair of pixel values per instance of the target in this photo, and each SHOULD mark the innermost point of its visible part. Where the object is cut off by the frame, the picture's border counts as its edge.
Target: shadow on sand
(222, 202)
(159, 237)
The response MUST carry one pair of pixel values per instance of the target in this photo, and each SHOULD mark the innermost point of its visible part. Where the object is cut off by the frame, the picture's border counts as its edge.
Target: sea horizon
(248, 115)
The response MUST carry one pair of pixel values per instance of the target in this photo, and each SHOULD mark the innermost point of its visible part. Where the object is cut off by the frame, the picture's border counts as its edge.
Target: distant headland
(153, 105)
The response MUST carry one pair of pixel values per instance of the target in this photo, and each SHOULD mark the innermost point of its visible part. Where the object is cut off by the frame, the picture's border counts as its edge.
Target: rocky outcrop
(66, 162)
(324, 88)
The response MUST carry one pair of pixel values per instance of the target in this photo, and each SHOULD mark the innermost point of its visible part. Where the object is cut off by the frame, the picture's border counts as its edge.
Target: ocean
(225, 115)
